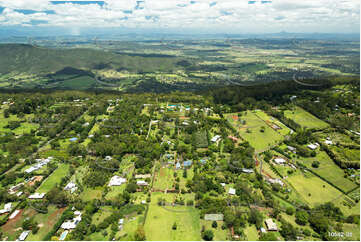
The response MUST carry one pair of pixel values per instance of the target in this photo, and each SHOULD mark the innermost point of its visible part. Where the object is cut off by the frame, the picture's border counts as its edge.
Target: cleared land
(54, 178)
(305, 119)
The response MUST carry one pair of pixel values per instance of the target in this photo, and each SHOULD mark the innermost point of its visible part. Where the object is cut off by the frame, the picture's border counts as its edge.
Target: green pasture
(54, 178)
(305, 119)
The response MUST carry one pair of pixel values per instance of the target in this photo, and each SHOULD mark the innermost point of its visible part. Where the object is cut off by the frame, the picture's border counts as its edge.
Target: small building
(292, 149)
(263, 230)
(121, 221)
(142, 183)
(23, 235)
(275, 181)
(73, 139)
(271, 226)
(13, 215)
(6, 209)
(312, 146)
(37, 196)
(328, 142)
(244, 170)
(223, 184)
(216, 138)
(279, 161)
(187, 163)
(71, 186)
(117, 181)
(143, 176)
(108, 158)
(213, 217)
(232, 191)
(177, 166)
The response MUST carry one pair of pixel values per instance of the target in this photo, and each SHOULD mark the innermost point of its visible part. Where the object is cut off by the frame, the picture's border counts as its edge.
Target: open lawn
(284, 130)
(219, 233)
(353, 232)
(159, 222)
(249, 126)
(313, 190)
(54, 178)
(251, 233)
(89, 193)
(305, 119)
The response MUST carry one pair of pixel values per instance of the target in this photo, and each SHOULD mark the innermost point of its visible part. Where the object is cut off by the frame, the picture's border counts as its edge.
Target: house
(223, 184)
(40, 164)
(23, 235)
(328, 142)
(121, 221)
(19, 194)
(71, 186)
(71, 224)
(216, 138)
(178, 166)
(116, 181)
(312, 146)
(13, 215)
(142, 183)
(271, 226)
(232, 191)
(214, 217)
(187, 163)
(6, 209)
(292, 149)
(37, 196)
(279, 161)
(15, 188)
(275, 181)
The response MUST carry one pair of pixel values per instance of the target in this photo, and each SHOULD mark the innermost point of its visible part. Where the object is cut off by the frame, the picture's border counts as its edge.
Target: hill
(39, 60)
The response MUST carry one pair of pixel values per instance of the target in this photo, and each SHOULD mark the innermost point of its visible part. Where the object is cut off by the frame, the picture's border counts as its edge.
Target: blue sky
(226, 16)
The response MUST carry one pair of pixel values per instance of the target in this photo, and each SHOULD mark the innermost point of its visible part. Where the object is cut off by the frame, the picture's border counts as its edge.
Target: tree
(301, 217)
(214, 224)
(268, 237)
(208, 235)
(139, 234)
(288, 231)
(290, 210)
(315, 164)
(174, 227)
(255, 217)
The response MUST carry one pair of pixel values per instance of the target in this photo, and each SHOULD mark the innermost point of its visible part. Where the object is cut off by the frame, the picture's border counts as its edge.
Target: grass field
(250, 130)
(89, 193)
(305, 119)
(54, 178)
(159, 221)
(284, 129)
(312, 189)
(353, 230)
(251, 233)
(164, 179)
(45, 222)
(329, 170)
(219, 233)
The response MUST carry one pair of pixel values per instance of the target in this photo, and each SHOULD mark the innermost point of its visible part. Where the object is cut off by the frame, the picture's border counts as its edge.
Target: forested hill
(32, 59)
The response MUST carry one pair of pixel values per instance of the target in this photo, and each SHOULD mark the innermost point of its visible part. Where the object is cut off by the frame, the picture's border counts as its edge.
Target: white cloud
(225, 15)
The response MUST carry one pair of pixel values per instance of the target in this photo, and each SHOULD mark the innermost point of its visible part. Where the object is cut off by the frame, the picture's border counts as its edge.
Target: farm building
(23, 235)
(271, 226)
(116, 181)
(213, 217)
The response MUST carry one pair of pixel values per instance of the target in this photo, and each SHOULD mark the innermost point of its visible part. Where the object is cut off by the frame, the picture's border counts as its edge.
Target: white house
(71, 224)
(6, 209)
(117, 181)
(232, 191)
(70, 186)
(271, 226)
(13, 215)
(23, 235)
(328, 142)
(312, 146)
(37, 196)
(142, 183)
(216, 138)
(279, 160)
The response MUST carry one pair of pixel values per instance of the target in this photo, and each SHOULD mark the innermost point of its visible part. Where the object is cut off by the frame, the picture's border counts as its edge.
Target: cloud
(210, 15)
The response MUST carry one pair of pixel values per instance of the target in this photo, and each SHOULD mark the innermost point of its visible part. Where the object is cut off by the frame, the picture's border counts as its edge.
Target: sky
(185, 16)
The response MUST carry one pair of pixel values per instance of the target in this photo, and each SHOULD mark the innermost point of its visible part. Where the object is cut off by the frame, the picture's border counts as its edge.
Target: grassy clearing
(305, 119)
(312, 189)
(251, 233)
(249, 126)
(89, 193)
(45, 222)
(54, 178)
(329, 170)
(158, 225)
(271, 120)
(164, 179)
(219, 233)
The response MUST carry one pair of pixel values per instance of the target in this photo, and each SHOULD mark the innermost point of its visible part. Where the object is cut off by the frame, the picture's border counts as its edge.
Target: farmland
(305, 119)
